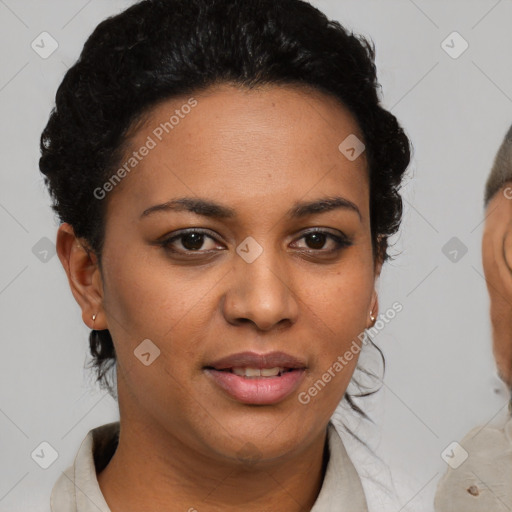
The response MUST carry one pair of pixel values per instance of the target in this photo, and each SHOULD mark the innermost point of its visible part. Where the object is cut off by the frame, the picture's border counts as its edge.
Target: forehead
(273, 143)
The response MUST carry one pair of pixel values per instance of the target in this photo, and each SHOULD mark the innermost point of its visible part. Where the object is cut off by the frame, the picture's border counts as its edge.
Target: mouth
(252, 378)
(254, 373)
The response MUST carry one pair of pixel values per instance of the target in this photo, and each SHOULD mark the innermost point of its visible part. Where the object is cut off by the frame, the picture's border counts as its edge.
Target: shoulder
(482, 480)
(79, 481)
(62, 496)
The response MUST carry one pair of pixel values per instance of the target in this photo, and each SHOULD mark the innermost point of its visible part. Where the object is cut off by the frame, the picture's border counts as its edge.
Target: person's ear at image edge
(374, 308)
(497, 264)
(83, 273)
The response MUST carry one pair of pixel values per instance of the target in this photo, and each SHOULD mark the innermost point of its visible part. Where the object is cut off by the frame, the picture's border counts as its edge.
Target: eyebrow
(215, 210)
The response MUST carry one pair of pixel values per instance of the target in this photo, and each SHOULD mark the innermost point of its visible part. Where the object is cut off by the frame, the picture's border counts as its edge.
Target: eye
(317, 238)
(191, 240)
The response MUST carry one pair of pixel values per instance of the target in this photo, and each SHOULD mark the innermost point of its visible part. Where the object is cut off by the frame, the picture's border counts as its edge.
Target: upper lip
(255, 360)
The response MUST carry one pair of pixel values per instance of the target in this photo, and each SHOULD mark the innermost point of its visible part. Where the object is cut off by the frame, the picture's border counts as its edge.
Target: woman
(227, 182)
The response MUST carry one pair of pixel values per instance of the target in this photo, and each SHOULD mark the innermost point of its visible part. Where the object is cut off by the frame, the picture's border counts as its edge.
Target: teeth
(257, 372)
(270, 372)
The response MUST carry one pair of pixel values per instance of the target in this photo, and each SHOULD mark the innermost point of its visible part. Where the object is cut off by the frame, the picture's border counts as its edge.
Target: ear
(497, 244)
(374, 303)
(497, 264)
(507, 254)
(81, 266)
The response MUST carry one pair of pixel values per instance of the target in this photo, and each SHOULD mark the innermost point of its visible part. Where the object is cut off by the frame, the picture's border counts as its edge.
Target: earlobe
(83, 273)
(374, 310)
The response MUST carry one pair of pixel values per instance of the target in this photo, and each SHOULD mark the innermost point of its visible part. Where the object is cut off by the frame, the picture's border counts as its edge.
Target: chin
(257, 436)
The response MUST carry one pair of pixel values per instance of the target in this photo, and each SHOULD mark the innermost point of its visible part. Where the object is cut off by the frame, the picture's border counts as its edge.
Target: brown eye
(317, 239)
(191, 241)
(194, 241)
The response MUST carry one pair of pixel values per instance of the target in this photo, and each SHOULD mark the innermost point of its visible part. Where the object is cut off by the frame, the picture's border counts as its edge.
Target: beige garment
(77, 489)
(483, 483)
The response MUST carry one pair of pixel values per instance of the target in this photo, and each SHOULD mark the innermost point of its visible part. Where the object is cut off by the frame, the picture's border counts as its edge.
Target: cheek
(342, 300)
(149, 298)
(147, 302)
(158, 303)
(339, 311)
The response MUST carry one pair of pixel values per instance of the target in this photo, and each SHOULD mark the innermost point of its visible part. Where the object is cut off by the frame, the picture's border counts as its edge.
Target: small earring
(93, 317)
(372, 318)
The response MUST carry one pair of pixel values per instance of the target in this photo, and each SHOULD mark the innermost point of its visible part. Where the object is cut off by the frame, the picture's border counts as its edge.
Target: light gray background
(440, 379)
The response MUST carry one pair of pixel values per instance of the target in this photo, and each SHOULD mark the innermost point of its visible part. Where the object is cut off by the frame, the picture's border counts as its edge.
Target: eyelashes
(196, 237)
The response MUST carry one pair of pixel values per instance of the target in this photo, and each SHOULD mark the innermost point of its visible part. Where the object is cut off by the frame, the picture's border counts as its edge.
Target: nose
(261, 293)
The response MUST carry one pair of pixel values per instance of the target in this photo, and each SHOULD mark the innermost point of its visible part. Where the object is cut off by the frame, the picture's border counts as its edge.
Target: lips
(253, 378)
(260, 361)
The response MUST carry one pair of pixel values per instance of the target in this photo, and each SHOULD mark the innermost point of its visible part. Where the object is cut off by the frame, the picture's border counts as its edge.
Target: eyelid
(166, 241)
(187, 231)
(339, 238)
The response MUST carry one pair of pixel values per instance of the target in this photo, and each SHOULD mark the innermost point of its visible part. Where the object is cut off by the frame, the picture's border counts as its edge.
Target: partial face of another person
(267, 268)
(497, 262)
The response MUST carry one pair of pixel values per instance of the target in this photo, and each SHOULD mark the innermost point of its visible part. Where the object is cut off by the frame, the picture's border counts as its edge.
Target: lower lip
(257, 390)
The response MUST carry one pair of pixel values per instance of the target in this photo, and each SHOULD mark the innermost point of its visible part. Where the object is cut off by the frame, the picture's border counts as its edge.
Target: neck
(149, 470)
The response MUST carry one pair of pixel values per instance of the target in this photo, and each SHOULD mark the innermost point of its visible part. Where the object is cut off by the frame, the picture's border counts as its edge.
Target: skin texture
(497, 263)
(182, 438)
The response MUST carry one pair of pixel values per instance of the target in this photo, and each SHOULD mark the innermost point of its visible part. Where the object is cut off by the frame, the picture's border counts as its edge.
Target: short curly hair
(159, 49)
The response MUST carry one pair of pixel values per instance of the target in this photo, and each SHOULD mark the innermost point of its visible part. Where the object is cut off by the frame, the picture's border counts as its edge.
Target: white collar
(77, 489)
(482, 478)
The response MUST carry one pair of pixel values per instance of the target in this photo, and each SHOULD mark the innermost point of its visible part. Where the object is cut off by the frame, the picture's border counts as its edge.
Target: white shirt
(483, 482)
(77, 489)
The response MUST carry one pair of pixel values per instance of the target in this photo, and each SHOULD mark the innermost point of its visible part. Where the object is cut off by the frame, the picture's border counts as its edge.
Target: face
(248, 291)
(497, 263)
